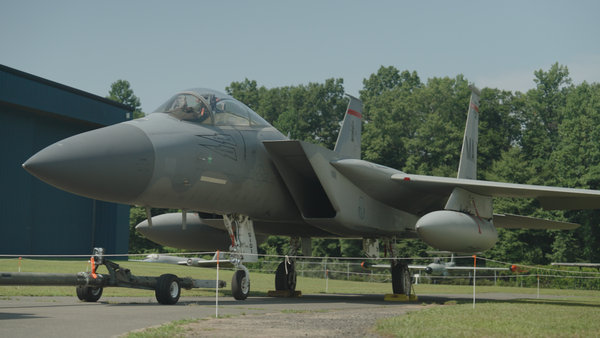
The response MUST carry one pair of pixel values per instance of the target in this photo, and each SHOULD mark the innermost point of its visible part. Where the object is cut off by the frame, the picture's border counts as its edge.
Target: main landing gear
(285, 276)
(401, 280)
(243, 249)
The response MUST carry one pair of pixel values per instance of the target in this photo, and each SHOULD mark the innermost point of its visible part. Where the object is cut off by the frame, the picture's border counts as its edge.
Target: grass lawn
(261, 283)
(573, 317)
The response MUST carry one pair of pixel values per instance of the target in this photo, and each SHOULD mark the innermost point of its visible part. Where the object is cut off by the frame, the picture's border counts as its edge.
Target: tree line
(546, 136)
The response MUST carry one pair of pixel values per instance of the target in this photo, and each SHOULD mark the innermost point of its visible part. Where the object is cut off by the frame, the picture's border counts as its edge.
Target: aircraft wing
(418, 267)
(203, 263)
(551, 198)
(419, 194)
(476, 268)
(369, 266)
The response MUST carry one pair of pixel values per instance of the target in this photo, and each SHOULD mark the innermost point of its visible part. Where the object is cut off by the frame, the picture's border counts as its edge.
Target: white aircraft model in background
(580, 265)
(439, 267)
(196, 262)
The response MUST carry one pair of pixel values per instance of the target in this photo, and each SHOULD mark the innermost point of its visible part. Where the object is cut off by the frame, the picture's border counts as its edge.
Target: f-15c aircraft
(205, 151)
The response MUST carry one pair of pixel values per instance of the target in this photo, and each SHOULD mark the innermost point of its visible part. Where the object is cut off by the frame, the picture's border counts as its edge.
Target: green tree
(309, 113)
(543, 114)
(120, 91)
(442, 106)
(499, 125)
(576, 163)
(246, 92)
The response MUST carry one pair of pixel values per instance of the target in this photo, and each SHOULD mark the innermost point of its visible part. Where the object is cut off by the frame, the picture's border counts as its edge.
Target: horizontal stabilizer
(523, 222)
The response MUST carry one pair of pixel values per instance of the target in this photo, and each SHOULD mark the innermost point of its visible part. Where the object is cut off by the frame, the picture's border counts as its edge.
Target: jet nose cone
(112, 164)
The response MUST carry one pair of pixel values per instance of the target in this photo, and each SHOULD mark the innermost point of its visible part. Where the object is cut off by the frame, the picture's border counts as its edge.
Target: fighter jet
(205, 151)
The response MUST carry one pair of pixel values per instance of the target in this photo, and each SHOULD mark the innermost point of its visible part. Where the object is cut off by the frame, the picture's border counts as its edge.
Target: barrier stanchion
(474, 274)
(217, 289)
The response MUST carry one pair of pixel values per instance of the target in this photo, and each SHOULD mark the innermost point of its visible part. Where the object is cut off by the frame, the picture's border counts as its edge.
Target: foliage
(120, 91)
(310, 113)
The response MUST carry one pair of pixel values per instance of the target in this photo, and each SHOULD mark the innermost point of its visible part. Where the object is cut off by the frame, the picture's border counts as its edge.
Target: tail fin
(348, 141)
(468, 157)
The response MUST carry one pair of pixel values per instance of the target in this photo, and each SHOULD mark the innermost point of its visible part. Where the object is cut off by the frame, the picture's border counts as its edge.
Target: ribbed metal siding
(36, 218)
(16, 139)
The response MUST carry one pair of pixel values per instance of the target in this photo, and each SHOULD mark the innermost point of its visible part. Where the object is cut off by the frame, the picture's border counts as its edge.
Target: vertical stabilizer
(348, 142)
(468, 156)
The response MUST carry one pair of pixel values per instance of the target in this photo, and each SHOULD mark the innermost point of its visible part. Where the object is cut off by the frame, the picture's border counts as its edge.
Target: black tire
(89, 294)
(167, 289)
(285, 281)
(401, 281)
(240, 287)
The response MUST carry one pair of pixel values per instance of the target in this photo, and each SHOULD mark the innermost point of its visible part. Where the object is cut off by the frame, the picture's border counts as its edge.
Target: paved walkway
(66, 317)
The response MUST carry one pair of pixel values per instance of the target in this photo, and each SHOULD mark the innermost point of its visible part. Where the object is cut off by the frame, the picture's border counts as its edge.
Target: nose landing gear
(243, 249)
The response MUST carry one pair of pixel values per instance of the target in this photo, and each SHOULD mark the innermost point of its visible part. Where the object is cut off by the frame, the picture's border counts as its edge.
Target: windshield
(207, 106)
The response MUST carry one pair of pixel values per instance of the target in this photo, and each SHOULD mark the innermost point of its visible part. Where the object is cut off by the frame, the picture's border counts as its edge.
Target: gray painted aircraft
(205, 151)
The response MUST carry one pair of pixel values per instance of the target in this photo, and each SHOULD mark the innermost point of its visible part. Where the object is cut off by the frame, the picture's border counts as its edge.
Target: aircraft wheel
(285, 281)
(401, 283)
(240, 285)
(89, 294)
(167, 289)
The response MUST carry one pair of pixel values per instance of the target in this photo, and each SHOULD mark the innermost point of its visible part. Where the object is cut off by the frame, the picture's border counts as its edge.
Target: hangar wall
(36, 218)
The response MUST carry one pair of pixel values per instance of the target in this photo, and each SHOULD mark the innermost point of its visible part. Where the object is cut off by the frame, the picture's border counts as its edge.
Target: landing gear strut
(243, 249)
(285, 276)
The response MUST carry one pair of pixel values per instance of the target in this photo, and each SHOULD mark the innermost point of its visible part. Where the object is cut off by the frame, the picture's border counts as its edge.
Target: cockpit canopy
(207, 106)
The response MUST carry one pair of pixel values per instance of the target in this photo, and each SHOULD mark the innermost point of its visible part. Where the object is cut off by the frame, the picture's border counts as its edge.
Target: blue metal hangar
(36, 218)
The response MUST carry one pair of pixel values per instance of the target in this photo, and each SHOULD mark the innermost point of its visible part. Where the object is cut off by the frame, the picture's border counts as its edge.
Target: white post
(538, 286)
(217, 289)
(474, 274)
(495, 281)
(326, 280)
(348, 266)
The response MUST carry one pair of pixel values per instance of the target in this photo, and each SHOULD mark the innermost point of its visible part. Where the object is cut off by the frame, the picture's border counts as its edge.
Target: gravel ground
(331, 323)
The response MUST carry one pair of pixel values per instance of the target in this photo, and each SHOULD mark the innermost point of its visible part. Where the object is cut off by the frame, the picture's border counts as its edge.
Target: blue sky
(164, 47)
